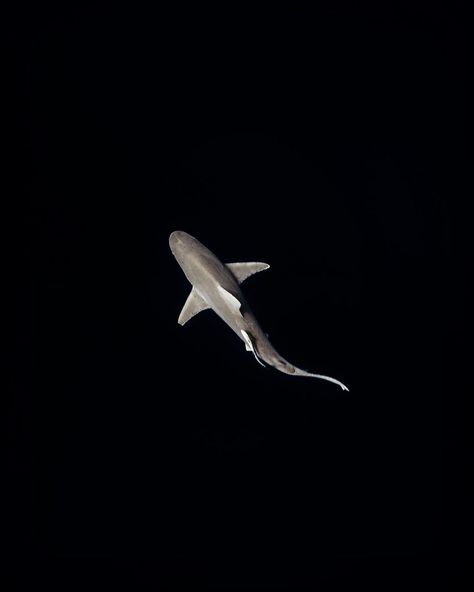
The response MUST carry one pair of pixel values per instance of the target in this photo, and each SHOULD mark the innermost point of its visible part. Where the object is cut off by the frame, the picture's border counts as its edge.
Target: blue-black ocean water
(325, 140)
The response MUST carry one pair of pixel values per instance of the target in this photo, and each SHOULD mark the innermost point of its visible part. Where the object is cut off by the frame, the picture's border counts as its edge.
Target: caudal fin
(299, 372)
(267, 353)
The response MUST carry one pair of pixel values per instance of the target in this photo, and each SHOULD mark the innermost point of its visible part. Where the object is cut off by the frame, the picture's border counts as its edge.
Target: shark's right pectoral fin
(192, 306)
(241, 271)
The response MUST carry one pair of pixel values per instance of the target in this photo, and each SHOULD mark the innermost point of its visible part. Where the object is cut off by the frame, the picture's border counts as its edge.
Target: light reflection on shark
(216, 286)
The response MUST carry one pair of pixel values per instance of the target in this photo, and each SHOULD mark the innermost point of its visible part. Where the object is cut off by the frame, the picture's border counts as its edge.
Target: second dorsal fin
(250, 347)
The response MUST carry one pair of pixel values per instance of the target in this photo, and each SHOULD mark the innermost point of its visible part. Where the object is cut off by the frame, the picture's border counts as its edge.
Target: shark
(216, 286)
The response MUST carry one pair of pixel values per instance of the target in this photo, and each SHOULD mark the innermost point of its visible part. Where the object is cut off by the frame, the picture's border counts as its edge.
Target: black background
(325, 140)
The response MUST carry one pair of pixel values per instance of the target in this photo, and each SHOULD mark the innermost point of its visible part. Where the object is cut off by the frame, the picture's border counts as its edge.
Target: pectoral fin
(192, 306)
(241, 271)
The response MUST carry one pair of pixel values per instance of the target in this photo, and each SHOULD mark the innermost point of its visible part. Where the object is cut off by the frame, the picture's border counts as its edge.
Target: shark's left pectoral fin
(192, 306)
(241, 271)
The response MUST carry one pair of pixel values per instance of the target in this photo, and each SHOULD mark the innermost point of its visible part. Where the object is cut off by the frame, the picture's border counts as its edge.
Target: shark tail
(299, 372)
(267, 354)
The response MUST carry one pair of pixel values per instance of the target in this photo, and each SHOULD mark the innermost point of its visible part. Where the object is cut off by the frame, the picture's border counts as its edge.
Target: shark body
(216, 286)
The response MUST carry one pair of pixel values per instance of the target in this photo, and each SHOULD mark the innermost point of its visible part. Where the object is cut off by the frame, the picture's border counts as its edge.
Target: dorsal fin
(241, 271)
(192, 306)
(231, 300)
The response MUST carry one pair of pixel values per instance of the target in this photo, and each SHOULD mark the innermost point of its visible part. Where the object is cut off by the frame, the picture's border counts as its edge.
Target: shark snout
(178, 241)
(176, 238)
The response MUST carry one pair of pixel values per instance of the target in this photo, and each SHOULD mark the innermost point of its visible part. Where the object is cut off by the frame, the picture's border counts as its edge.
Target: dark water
(326, 142)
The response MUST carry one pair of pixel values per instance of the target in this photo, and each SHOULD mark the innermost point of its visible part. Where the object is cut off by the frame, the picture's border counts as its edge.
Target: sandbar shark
(217, 286)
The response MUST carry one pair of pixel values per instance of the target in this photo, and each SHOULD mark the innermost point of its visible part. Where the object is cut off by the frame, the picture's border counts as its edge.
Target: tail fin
(267, 353)
(299, 372)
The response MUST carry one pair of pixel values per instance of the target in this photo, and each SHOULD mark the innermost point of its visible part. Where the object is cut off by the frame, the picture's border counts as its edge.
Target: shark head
(178, 239)
(181, 243)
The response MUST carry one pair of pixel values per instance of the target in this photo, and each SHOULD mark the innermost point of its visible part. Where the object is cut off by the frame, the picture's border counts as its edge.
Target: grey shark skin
(216, 286)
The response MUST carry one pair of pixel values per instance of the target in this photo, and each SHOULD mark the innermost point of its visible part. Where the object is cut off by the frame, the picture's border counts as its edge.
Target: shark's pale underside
(216, 286)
